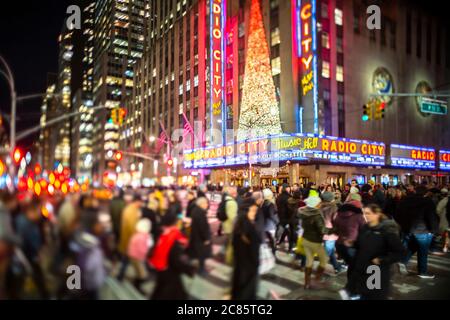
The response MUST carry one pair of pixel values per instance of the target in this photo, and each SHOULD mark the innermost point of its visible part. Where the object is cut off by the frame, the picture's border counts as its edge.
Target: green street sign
(433, 106)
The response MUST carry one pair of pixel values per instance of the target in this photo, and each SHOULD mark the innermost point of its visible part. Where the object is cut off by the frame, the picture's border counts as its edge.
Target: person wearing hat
(314, 229)
(443, 211)
(329, 210)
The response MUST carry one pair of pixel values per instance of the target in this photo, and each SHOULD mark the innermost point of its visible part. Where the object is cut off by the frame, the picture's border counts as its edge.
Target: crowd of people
(164, 234)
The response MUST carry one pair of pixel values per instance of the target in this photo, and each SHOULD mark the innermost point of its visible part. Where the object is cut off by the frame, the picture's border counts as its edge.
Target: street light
(152, 139)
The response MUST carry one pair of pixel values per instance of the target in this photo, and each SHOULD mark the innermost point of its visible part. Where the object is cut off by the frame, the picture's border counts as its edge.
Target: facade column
(294, 170)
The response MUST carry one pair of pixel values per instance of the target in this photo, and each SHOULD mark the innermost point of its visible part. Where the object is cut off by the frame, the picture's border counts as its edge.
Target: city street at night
(232, 158)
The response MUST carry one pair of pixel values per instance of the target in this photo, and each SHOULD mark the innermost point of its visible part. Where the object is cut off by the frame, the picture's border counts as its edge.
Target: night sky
(28, 41)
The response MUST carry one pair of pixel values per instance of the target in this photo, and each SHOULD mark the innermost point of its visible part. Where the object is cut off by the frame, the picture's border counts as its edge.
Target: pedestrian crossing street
(284, 281)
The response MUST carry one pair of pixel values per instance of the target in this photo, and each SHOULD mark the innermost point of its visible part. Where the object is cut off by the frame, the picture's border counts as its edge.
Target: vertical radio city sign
(306, 44)
(217, 51)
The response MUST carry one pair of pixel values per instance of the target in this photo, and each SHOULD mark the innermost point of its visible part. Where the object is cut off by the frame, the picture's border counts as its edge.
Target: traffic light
(17, 155)
(169, 163)
(367, 112)
(2, 168)
(379, 113)
(114, 116)
(118, 155)
(122, 114)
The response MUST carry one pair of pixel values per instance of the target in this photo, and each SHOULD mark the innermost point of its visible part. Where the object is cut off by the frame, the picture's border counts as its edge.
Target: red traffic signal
(17, 155)
(169, 162)
(118, 156)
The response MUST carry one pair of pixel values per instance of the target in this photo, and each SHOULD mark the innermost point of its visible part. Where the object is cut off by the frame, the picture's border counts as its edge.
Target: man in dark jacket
(200, 240)
(418, 221)
(283, 210)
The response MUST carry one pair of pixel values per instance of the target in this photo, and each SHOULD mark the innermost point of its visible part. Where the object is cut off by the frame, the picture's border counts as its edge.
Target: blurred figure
(270, 218)
(394, 195)
(13, 268)
(8, 204)
(329, 211)
(169, 261)
(140, 244)
(443, 211)
(191, 203)
(379, 197)
(116, 208)
(89, 257)
(202, 190)
(130, 216)
(231, 211)
(293, 206)
(378, 243)
(283, 213)
(367, 195)
(346, 225)
(314, 230)
(200, 240)
(246, 243)
(29, 231)
(418, 220)
(152, 212)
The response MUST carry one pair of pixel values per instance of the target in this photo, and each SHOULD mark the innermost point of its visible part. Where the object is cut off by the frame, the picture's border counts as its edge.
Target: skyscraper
(119, 33)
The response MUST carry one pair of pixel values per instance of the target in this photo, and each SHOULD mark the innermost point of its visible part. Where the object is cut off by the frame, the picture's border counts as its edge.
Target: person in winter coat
(443, 211)
(131, 215)
(270, 217)
(191, 203)
(314, 229)
(200, 241)
(283, 211)
(379, 197)
(393, 198)
(29, 231)
(13, 267)
(246, 243)
(292, 219)
(138, 248)
(86, 248)
(418, 221)
(346, 226)
(170, 262)
(151, 212)
(329, 211)
(367, 195)
(116, 209)
(378, 245)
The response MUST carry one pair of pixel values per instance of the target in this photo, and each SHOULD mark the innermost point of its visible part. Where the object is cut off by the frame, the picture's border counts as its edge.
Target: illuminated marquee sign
(299, 147)
(412, 157)
(444, 160)
(307, 54)
(217, 81)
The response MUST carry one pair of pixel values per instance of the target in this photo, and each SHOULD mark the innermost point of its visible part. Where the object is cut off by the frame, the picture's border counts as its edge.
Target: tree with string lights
(260, 113)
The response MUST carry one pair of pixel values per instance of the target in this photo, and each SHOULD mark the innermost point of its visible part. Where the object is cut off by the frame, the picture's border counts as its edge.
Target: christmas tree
(260, 114)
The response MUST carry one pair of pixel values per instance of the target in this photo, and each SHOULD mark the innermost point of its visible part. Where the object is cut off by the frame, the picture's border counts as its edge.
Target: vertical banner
(217, 69)
(306, 44)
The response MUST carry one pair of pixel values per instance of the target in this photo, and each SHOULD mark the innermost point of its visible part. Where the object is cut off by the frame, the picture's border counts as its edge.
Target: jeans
(330, 249)
(348, 254)
(125, 261)
(420, 243)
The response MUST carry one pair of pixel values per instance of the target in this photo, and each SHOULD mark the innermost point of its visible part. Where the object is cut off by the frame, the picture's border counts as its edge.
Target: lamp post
(12, 134)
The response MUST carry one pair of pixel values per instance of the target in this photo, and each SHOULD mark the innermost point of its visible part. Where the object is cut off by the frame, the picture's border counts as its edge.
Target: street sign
(433, 106)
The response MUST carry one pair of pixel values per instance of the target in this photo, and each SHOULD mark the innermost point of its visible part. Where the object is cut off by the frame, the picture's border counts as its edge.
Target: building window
(324, 10)
(338, 16)
(276, 66)
(326, 69)
(339, 45)
(340, 73)
(275, 36)
(325, 40)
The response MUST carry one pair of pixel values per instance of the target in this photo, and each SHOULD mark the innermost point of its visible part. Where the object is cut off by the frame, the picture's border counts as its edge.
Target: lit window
(276, 66)
(338, 16)
(326, 69)
(325, 40)
(275, 36)
(340, 73)
(180, 89)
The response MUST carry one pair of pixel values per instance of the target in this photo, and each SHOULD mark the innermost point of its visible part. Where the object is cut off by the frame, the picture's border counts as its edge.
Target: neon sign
(307, 53)
(296, 146)
(412, 157)
(217, 81)
(444, 160)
